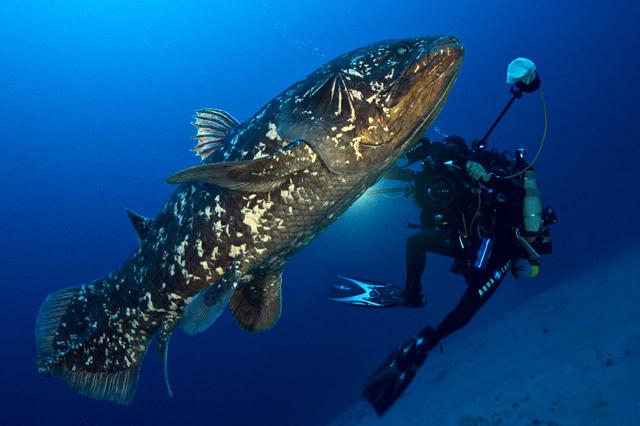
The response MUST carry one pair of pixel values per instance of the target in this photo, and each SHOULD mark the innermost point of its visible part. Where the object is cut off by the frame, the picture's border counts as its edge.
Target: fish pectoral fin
(256, 306)
(205, 308)
(213, 126)
(261, 175)
(141, 224)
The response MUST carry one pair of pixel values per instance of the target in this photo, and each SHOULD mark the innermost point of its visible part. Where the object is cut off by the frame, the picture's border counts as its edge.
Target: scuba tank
(534, 237)
(532, 210)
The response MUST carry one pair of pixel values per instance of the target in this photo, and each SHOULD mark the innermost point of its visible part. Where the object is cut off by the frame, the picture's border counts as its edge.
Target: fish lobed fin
(205, 308)
(257, 305)
(260, 175)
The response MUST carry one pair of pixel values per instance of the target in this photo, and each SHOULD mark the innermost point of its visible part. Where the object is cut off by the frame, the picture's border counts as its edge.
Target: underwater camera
(443, 190)
(446, 186)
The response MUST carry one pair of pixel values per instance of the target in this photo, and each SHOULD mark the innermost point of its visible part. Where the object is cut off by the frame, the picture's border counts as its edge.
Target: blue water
(95, 104)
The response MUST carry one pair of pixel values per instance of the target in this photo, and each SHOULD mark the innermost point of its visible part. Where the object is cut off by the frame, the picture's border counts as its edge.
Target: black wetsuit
(457, 216)
(504, 211)
(500, 210)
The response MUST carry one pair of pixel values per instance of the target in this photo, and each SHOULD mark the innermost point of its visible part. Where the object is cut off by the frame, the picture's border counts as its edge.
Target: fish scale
(264, 190)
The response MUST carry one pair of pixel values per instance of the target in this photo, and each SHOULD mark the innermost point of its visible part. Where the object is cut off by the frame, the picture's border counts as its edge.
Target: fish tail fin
(89, 345)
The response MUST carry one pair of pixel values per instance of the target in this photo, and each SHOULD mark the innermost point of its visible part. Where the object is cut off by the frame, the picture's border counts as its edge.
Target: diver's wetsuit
(500, 211)
(456, 218)
(482, 283)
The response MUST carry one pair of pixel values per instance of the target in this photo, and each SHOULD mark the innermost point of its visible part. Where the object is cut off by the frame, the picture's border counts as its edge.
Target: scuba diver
(479, 208)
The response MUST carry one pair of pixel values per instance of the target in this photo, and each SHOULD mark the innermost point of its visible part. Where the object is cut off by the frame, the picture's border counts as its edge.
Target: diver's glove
(477, 172)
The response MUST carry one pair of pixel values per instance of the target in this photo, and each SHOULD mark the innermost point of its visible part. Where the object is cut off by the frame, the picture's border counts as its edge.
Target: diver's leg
(480, 286)
(395, 374)
(417, 246)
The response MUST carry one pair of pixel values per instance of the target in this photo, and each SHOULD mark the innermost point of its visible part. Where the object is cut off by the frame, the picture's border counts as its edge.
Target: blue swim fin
(367, 293)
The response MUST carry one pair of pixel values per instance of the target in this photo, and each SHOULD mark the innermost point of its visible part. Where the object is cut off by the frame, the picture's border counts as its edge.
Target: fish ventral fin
(95, 355)
(213, 126)
(141, 224)
(256, 306)
(260, 175)
(205, 308)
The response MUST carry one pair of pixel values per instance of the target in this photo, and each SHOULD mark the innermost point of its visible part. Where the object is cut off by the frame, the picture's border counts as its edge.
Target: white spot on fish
(273, 132)
(235, 251)
(353, 72)
(147, 297)
(218, 209)
(356, 94)
(377, 86)
(390, 74)
(356, 148)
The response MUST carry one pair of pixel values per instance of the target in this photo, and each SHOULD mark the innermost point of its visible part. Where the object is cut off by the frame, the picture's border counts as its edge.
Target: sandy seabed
(569, 356)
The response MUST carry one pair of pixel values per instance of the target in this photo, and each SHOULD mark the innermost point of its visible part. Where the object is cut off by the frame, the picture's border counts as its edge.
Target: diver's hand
(477, 172)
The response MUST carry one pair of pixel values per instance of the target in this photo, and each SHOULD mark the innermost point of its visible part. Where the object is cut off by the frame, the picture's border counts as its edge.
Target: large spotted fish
(265, 189)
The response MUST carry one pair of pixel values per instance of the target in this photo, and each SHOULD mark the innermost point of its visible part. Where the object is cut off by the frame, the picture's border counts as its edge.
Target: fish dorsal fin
(213, 126)
(141, 224)
(261, 175)
(256, 306)
(205, 307)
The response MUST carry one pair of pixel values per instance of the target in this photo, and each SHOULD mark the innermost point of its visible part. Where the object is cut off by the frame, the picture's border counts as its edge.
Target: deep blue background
(95, 105)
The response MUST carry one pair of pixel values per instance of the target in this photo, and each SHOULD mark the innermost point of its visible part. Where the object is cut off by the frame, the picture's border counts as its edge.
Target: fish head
(360, 111)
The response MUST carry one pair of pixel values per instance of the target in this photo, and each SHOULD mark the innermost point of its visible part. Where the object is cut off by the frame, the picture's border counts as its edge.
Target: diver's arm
(397, 173)
(508, 187)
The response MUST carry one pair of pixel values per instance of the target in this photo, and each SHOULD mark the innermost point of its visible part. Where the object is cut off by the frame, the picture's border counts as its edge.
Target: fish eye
(401, 50)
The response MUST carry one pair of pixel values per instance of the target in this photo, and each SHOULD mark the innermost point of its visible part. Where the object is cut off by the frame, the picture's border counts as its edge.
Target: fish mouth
(446, 43)
(422, 125)
(439, 56)
(445, 48)
(445, 54)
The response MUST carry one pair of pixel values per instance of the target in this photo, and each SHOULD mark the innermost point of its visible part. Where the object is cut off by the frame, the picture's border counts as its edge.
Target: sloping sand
(569, 356)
